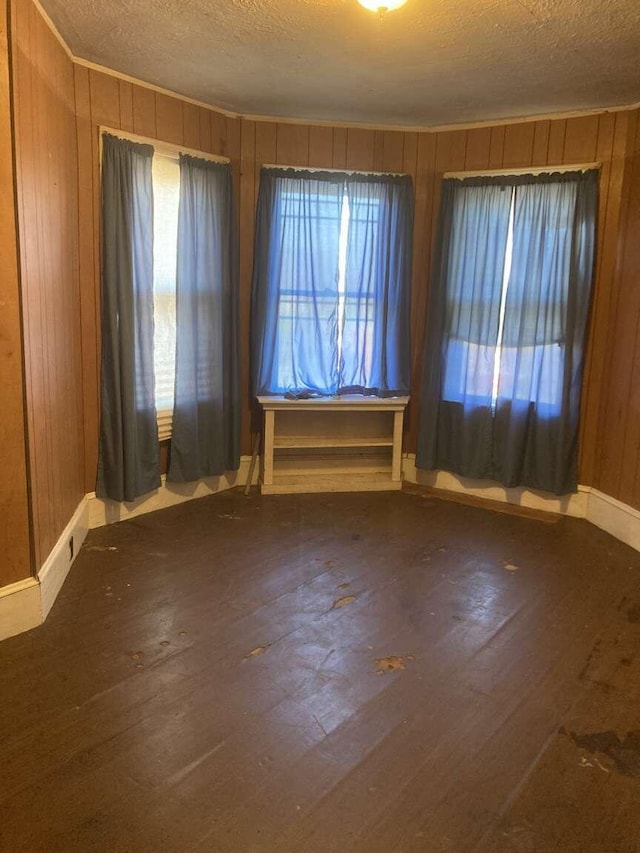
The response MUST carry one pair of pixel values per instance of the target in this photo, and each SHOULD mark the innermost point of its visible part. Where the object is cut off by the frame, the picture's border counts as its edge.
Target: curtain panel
(206, 417)
(331, 283)
(507, 319)
(129, 460)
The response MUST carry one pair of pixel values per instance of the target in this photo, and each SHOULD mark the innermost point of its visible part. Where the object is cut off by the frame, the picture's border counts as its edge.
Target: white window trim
(530, 170)
(169, 149)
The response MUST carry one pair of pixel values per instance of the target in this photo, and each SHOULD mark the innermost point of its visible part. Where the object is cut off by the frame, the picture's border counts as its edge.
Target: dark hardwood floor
(208, 681)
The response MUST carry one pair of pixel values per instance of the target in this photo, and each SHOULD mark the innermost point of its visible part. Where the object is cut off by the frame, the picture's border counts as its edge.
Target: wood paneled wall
(617, 449)
(103, 99)
(62, 321)
(15, 558)
(47, 183)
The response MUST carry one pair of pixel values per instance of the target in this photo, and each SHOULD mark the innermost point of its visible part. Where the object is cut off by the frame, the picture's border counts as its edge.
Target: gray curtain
(503, 367)
(129, 460)
(206, 418)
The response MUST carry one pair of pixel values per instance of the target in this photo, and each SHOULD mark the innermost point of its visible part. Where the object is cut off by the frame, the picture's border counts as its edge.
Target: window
(169, 317)
(506, 326)
(166, 197)
(518, 356)
(331, 283)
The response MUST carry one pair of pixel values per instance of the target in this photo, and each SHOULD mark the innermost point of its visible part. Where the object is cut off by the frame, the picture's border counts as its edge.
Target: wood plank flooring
(208, 682)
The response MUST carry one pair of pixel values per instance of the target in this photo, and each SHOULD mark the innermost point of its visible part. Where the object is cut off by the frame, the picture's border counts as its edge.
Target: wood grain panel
(87, 263)
(191, 122)
(126, 105)
(496, 147)
(15, 563)
(606, 300)
(581, 139)
(619, 404)
(292, 144)
(218, 125)
(540, 143)
(392, 151)
(47, 184)
(359, 149)
(423, 223)
(205, 129)
(248, 190)
(339, 148)
(478, 148)
(105, 98)
(321, 146)
(518, 145)
(555, 147)
(169, 125)
(144, 112)
(598, 331)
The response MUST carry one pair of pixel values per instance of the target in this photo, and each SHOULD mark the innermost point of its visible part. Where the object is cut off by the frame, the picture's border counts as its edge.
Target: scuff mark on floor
(259, 650)
(100, 548)
(393, 663)
(228, 515)
(509, 566)
(342, 602)
(594, 651)
(623, 752)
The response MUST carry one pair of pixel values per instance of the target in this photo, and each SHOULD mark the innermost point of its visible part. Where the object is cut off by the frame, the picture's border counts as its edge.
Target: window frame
(164, 417)
(343, 295)
(542, 170)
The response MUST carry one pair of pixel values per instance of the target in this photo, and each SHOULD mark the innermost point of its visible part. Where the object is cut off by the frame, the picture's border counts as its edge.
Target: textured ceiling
(432, 62)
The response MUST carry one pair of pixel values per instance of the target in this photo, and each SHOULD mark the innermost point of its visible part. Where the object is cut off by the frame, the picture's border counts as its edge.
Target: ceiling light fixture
(381, 6)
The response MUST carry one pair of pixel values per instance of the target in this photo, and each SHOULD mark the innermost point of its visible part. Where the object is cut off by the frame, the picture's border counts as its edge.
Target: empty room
(320, 394)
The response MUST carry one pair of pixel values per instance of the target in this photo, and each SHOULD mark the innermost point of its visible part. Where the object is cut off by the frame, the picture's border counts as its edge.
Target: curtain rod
(334, 171)
(165, 148)
(532, 170)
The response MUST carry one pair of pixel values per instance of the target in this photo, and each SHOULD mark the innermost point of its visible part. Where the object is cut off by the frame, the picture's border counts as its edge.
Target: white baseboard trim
(26, 604)
(615, 517)
(574, 505)
(103, 512)
(20, 607)
(56, 567)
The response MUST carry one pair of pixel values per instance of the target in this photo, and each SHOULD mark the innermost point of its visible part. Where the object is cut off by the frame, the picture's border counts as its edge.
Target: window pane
(166, 196)
(308, 234)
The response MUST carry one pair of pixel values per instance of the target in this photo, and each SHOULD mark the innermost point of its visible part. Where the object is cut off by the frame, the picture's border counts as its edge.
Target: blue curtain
(295, 282)
(506, 328)
(206, 417)
(129, 460)
(456, 422)
(375, 355)
(313, 330)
